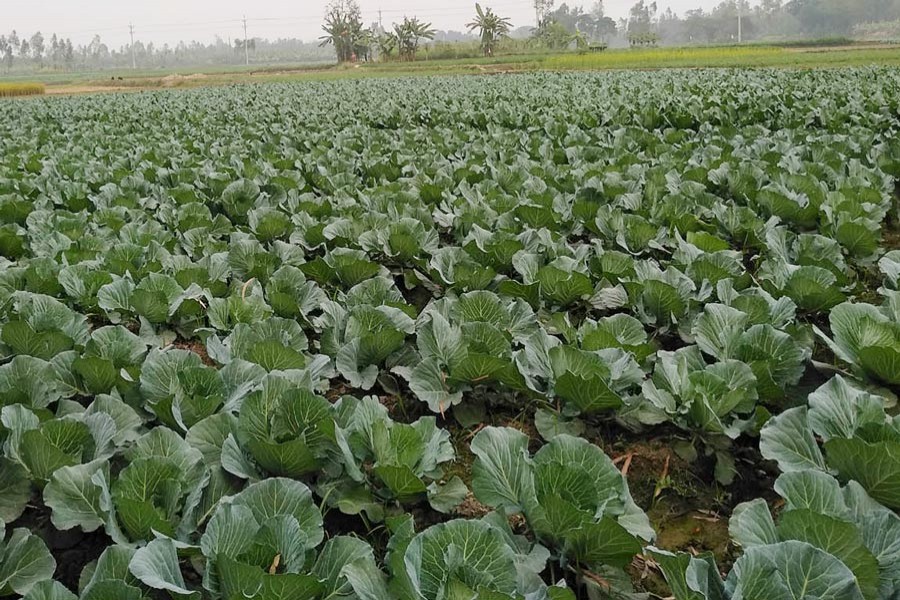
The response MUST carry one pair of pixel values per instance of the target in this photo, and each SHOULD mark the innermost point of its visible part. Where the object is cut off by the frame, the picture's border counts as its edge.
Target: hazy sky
(173, 20)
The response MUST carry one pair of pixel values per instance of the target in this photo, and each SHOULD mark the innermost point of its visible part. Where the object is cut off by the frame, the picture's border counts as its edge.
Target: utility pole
(380, 22)
(133, 61)
(246, 47)
(739, 21)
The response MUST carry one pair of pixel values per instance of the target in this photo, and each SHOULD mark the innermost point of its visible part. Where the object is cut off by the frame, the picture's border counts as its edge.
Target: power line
(434, 12)
(151, 27)
(466, 9)
(196, 23)
(303, 19)
(308, 18)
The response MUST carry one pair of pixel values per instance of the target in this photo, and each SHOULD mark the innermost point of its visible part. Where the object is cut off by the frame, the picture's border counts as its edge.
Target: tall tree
(13, 40)
(541, 8)
(577, 24)
(69, 54)
(364, 45)
(554, 35)
(37, 47)
(387, 43)
(492, 28)
(601, 25)
(54, 50)
(6, 52)
(409, 33)
(640, 17)
(343, 28)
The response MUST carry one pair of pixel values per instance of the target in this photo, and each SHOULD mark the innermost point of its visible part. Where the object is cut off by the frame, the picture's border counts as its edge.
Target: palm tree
(408, 33)
(365, 44)
(386, 42)
(492, 28)
(343, 27)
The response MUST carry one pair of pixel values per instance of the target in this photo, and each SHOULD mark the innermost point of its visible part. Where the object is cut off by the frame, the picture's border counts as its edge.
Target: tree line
(352, 40)
(57, 51)
(773, 20)
(565, 26)
(558, 27)
(34, 53)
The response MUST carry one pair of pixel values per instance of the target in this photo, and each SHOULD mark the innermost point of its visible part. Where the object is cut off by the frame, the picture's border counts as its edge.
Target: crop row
(206, 327)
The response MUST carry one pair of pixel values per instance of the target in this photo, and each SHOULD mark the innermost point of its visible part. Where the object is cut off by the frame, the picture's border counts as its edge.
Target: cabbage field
(454, 338)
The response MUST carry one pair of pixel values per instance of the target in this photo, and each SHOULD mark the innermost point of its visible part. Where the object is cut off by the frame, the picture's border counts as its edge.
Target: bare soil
(65, 90)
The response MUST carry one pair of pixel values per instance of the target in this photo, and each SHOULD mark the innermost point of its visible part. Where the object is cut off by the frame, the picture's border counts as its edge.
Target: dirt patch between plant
(197, 348)
(176, 80)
